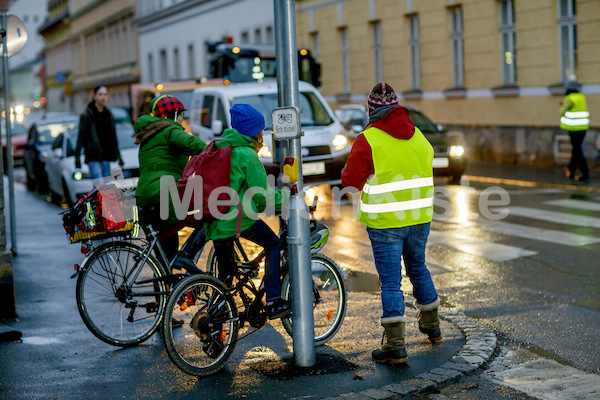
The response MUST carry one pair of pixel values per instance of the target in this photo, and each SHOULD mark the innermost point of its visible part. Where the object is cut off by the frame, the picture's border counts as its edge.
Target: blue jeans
(389, 245)
(99, 170)
(261, 234)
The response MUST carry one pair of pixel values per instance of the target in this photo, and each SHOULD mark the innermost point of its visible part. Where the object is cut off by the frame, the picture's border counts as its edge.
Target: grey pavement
(57, 357)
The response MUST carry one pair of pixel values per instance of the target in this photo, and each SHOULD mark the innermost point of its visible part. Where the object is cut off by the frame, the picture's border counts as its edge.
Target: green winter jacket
(248, 172)
(164, 150)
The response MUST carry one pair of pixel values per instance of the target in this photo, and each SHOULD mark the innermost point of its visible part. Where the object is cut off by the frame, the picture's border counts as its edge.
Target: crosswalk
(562, 222)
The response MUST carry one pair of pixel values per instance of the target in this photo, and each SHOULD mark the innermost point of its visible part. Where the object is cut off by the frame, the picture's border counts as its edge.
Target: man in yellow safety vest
(575, 119)
(391, 162)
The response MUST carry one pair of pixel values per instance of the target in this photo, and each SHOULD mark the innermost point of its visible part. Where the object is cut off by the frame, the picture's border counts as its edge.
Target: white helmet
(318, 237)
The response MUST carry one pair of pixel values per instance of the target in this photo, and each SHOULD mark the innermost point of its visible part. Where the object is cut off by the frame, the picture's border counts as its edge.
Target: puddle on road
(362, 282)
(40, 341)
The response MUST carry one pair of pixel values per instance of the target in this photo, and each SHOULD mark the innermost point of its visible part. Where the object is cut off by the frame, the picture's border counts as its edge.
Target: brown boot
(394, 350)
(429, 323)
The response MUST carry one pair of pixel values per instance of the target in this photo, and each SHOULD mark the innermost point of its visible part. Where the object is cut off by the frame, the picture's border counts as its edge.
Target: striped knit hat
(381, 95)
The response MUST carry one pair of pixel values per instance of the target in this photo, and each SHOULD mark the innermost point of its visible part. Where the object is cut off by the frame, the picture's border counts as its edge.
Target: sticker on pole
(286, 123)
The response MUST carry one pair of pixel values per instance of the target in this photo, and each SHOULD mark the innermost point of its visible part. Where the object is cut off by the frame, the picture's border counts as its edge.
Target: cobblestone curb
(477, 351)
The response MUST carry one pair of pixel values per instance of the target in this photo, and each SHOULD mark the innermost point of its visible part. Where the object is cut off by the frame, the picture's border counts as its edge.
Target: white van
(325, 144)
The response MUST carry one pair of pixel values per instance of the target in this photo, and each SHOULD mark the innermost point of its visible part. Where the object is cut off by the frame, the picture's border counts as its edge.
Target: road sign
(286, 123)
(16, 35)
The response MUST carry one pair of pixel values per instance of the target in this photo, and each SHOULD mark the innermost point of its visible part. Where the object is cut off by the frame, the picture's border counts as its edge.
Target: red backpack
(213, 165)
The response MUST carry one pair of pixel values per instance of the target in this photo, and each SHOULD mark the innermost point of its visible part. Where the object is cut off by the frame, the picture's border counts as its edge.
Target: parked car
(65, 181)
(449, 159)
(325, 144)
(120, 114)
(18, 136)
(41, 135)
(354, 117)
(449, 154)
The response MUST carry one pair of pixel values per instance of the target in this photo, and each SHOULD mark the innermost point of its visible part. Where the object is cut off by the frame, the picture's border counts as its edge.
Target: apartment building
(56, 32)
(494, 69)
(104, 49)
(174, 34)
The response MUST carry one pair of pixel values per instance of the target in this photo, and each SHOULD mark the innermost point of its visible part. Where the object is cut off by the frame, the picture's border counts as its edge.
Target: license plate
(316, 168)
(441, 162)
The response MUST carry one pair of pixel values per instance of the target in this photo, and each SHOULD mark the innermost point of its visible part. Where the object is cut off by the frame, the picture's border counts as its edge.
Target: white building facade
(173, 34)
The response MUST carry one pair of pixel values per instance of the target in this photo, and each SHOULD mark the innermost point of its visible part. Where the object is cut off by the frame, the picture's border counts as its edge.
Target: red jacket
(392, 120)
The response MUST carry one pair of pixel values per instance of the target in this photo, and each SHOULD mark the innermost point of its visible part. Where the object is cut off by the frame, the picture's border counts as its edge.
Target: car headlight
(264, 152)
(78, 175)
(339, 142)
(456, 151)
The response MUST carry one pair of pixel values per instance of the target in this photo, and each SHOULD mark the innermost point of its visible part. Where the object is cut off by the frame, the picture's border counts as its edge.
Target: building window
(150, 68)
(345, 60)
(415, 52)
(163, 67)
(377, 52)
(176, 63)
(457, 40)
(258, 36)
(191, 62)
(567, 23)
(316, 49)
(507, 34)
(245, 38)
(269, 35)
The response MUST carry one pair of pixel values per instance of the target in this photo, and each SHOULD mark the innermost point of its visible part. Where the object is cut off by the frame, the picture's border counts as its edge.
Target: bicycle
(214, 313)
(122, 287)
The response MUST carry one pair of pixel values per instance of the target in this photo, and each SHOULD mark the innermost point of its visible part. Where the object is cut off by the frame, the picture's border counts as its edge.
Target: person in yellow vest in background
(391, 162)
(575, 119)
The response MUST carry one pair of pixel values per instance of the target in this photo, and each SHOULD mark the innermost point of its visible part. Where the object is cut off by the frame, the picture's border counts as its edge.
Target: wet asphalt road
(547, 297)
(60, 359)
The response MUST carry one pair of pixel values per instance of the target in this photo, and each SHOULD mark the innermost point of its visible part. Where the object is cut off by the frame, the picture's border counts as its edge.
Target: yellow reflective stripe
(574, 122)
(400, 185)
(577, 114)
(397, 206)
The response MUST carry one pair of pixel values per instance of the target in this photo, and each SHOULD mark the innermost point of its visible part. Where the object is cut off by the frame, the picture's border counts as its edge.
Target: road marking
(552, 216)
(578, 204)
(342, 241)
(528, 232)
(491, 251)
(542, 378)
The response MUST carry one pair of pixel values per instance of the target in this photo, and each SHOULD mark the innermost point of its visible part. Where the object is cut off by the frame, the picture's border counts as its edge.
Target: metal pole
(9, 156)
(298, 230)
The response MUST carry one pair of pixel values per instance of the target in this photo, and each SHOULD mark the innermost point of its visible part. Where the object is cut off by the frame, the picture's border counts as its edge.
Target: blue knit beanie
(247, 120)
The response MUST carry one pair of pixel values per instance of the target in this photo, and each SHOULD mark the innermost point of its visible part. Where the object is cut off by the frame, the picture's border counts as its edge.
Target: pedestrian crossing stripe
(491, 251)
(578, 204)
(552, 216)
(529, 232)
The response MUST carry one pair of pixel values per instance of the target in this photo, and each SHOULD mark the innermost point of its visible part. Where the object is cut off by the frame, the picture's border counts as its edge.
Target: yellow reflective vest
(400, 192)
(578, 117)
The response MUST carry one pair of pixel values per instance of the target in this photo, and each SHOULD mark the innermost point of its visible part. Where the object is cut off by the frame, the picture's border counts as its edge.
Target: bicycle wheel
(329, 303)
(120, 300)
(210, 324)
(248, 252)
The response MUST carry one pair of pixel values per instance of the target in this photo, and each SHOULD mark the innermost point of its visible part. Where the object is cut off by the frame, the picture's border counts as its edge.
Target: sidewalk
(528, 176)
(58, 358)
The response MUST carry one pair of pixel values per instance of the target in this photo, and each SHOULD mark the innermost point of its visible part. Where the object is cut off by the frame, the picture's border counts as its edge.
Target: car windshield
(186, 98)
(422, 122)
(313, 111)
(47, 133)
(352, 117)
(124, 136)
